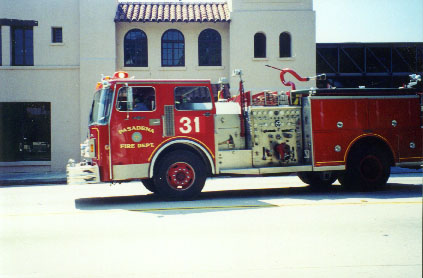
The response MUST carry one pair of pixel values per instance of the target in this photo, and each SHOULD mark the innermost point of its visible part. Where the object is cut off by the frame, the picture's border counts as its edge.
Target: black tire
(368, 169)
(318, 181)
(181, 175)
(149, 185)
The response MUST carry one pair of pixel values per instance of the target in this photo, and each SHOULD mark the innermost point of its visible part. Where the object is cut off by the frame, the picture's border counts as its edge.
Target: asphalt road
(239, 227)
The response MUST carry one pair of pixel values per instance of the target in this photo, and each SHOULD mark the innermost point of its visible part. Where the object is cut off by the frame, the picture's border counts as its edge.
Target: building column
(6, 49)
(97, 50)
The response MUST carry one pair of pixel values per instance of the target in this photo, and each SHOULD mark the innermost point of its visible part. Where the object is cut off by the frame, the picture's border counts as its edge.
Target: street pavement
(238, 227)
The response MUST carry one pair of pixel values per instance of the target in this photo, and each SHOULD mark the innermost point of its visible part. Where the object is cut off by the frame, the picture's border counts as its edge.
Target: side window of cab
(188, 98)
(136, 99)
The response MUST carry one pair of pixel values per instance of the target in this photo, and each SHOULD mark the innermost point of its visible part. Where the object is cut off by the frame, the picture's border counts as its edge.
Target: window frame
(285, 41)
(260, 45)
(53, 34)
(140, 45)
(211, 45)
(208, 94)
(25, 46)
(1, 53)
(28, 123)
(130, 111)
(173, 42)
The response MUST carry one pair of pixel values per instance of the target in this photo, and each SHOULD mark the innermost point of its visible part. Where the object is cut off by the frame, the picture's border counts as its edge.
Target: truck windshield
(100, 109)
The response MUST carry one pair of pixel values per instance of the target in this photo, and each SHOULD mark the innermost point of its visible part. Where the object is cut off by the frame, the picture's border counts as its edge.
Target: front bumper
(82, 173)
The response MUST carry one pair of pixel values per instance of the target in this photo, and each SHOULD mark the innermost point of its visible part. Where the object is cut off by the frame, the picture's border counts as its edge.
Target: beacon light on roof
(121, 74)
(99, 86)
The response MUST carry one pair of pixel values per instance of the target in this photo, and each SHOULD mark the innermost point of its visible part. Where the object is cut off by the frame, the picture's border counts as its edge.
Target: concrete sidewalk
(19, 178)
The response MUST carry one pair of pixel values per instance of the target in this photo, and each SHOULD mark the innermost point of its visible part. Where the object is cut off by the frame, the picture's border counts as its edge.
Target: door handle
(138, 118)
(207, 114)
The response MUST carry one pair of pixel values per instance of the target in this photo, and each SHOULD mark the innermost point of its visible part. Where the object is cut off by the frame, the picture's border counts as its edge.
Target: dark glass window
(136, 99)
(209, 48)
(22, 46)
(285, 45)
(25, 131)
(193, 98)
(259, 45)
(56, 35)
(101, 106)
(173, 49)
(135, 49)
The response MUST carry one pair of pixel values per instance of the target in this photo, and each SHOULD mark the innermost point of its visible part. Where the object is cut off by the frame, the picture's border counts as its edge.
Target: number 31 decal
(187, 125)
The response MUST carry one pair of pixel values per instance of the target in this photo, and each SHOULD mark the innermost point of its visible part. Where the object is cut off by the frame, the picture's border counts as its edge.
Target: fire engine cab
(172, 134)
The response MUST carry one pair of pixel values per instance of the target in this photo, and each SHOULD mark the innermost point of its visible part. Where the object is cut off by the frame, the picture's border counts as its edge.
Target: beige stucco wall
(54, 77)
(66, 74)
(58, 87)
(63, 74)
(248, 17)
(191, 31)
(49, 14)
(272, 17)
(97, 51)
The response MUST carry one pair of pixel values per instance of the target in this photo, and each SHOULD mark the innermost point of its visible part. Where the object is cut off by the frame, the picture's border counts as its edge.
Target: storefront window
(25, 131)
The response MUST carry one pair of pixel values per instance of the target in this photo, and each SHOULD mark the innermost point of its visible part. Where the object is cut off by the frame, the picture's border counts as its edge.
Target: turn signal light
(99, 86)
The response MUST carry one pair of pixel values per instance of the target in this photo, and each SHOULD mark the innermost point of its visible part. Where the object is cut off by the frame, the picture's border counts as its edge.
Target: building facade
(52, 54)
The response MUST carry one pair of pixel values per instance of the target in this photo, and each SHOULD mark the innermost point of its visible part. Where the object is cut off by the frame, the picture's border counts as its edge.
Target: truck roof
(358, 91)
(165, 81)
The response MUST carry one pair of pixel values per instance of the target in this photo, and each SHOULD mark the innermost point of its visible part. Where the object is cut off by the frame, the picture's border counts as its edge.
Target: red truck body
(184, 135)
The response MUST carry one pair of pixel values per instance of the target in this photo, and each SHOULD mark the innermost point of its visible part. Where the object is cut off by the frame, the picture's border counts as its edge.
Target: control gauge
(278, 123)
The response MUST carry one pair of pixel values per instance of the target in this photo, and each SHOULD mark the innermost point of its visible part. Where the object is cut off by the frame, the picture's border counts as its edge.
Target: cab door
(135, 130)
(194, 114)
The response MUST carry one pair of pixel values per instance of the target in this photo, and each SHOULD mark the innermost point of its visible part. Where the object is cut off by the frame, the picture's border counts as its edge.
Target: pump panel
(275, 136)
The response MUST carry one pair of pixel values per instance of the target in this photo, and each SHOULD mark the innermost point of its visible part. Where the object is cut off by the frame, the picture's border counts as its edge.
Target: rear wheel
(180, 175)
(319, 181)
(368, 168)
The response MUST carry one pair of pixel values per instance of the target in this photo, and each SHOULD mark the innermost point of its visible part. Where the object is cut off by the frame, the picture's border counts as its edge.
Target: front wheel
(180, 175)
(368, 169)
(149, 185)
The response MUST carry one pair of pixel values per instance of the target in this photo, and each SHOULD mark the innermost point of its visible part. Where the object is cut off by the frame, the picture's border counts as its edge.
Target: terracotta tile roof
(172, 12)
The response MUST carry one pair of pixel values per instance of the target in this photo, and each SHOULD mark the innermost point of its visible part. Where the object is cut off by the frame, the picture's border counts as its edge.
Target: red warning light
(121, 74)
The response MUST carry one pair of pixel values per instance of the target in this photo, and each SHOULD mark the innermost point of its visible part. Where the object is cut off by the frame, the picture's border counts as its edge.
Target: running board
(267, 170)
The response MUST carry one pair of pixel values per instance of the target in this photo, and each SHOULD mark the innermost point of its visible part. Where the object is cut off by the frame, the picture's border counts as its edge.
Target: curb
(32, 182)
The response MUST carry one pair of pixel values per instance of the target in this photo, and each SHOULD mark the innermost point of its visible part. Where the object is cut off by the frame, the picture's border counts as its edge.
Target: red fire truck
(172, 134)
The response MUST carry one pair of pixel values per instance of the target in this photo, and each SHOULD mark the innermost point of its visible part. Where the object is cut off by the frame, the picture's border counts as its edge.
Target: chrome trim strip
(310, 131)
(184, 141)
(130, 171)
(288, 169)
(410, 164)
(269, 170)
(110, 138)
(244, 171)
(216, 145)
(329, 168)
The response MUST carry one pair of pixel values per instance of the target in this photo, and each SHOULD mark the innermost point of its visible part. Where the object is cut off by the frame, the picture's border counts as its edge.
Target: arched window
(135, 49)
(173, 49)
(259, 45)
(209, 48)
(284, 45)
